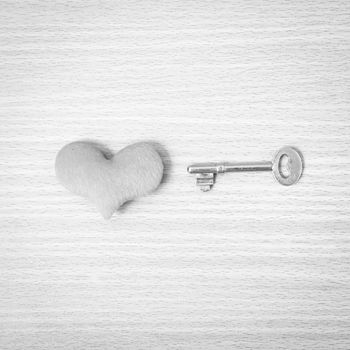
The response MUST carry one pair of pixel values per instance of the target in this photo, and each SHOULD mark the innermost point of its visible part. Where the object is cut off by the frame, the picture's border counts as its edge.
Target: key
(206, 172)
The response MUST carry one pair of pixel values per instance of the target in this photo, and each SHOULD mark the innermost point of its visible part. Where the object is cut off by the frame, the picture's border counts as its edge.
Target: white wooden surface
(250, 265)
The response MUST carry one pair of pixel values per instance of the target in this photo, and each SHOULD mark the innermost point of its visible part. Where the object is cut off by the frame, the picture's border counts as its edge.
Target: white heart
(109, 181)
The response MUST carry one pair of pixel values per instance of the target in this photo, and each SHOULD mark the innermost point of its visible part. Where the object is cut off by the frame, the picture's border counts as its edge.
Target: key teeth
(205, 181)
(205, 188)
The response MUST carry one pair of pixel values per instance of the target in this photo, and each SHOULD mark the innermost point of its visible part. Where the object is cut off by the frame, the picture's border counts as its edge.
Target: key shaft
(216, 168)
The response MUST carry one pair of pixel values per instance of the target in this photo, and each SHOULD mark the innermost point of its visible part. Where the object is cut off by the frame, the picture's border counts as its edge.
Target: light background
(249, 265)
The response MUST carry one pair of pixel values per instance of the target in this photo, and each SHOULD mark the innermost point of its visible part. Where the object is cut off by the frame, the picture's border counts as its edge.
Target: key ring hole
(287, 166)
(284, 166)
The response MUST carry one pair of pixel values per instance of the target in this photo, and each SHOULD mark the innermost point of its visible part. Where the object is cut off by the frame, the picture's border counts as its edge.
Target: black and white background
(248, 265)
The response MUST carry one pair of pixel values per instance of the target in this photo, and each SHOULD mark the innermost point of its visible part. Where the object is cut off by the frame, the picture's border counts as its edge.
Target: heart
(108, 180)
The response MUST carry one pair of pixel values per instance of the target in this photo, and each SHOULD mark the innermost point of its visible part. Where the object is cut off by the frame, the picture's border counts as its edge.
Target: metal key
(206, 172)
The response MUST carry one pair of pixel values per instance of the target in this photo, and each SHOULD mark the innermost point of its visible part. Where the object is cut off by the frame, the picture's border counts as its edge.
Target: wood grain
(249, 265)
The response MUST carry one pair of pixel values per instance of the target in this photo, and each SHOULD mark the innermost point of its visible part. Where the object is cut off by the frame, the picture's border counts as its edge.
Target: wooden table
(249, 265)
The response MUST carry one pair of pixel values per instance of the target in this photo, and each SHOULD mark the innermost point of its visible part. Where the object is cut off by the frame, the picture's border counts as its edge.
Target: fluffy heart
(109, 181)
